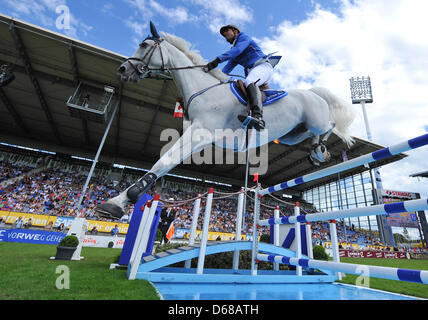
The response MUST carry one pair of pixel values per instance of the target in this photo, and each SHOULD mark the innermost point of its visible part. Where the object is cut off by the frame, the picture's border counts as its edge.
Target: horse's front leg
(194, 140)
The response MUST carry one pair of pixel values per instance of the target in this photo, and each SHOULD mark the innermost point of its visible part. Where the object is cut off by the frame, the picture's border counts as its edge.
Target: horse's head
(148, 59)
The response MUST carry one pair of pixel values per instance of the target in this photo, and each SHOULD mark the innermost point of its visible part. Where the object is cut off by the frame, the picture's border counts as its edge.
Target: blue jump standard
(154, 268)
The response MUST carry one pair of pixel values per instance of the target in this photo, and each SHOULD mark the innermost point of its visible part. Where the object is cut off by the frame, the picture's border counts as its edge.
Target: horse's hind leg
(319, 150)
(182, 148)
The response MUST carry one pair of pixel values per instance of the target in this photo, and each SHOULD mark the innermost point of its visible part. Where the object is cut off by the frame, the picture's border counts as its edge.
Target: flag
(256, 177)
(170, 232)
(178, 111)
(276, 141)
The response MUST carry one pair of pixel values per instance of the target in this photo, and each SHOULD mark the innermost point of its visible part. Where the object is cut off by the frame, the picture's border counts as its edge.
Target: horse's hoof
(313, 161)
(109, 211)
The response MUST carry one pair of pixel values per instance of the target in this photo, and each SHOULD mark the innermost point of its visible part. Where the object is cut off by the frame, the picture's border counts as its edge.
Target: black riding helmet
(229, 26)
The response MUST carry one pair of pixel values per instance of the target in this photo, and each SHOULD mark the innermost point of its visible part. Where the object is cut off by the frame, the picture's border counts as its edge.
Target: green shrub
(69, 241)
(319, 253)
(265, 238)
(158, 236)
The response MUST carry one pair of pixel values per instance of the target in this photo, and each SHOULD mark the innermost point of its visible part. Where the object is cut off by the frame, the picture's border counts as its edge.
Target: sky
(323, 43)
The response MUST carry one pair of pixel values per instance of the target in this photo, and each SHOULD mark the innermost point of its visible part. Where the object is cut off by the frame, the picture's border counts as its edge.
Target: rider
(258, 70)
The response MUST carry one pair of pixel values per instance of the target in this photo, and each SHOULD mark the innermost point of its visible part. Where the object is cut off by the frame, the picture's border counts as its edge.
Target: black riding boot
(255, 105)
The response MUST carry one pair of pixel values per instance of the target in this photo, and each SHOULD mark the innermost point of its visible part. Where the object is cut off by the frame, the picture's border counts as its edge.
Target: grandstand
(46, 152)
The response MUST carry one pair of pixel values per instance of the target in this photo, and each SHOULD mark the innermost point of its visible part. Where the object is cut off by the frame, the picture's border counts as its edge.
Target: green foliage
(158, 236)
(319, 253)
(265, 238)
(69, 241)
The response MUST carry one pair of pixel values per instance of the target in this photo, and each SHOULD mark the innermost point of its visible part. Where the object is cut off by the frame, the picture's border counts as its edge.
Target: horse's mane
(193, 55)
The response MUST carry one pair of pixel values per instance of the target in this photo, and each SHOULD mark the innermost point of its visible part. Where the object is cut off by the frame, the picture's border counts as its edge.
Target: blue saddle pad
(271, 95)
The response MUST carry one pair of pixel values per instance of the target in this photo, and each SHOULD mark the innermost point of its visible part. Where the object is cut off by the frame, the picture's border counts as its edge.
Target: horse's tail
(341, 114)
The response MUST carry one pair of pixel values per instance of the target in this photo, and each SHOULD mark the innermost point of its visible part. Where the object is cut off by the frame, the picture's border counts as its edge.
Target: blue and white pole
(365, 159)
(373, 271)
(382, 209)
(204, 240)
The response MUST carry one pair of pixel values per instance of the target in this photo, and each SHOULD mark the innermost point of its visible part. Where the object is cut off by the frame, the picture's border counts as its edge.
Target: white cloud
(148, 8)
(216, 13)
(178, 15)
(385, 39)
(45, 13)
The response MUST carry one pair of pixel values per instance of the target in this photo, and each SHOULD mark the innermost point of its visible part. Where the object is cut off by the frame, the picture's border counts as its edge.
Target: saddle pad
(271, 95)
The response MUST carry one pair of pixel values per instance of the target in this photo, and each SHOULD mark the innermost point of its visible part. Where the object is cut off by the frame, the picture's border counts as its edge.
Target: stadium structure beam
(118, 119)
(29, 70)
(297, 162)
(92, 84)
(163, 91)
(15, 115)
(287, 152)
(75, 71)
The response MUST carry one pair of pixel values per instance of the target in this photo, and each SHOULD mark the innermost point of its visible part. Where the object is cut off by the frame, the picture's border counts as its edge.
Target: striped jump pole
(365, 159)
(276, 234)
(204, 240)
(239, 217)
(418, 276)
(192, 235)
(145, 231)
(381, 209)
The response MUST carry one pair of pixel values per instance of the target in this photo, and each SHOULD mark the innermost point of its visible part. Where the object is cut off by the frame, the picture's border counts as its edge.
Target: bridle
(145, 70)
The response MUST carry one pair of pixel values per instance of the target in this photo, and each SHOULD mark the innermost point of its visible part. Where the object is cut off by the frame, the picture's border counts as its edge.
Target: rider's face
(230, 35)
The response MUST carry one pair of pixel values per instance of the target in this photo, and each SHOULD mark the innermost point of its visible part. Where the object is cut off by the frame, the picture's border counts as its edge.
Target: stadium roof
(48, 66)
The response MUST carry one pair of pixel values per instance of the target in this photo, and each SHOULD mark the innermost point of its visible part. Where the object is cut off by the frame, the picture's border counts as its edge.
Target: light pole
(361, 93)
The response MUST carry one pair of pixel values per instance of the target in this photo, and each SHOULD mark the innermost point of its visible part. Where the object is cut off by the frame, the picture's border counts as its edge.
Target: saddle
(268, 95)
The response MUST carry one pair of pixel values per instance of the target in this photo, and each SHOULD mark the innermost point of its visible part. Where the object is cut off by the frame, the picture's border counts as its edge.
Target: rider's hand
(213, 64)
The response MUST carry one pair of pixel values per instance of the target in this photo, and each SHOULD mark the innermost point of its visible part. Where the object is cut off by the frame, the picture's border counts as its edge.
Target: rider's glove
(213, 64)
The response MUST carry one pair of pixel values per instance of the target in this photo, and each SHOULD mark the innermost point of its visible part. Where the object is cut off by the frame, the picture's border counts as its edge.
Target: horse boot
(114, 208)
(255, 120)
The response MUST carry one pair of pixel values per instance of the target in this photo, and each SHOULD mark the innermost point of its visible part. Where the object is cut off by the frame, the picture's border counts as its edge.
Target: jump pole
(350, 164)
(419, 276)
(141, 229)
(204, 240)
(255, 246)
(298, 236)
(381, 209)
(239, 216)
(276, 234)
(334, 244)
(141, 246)
(192, 236)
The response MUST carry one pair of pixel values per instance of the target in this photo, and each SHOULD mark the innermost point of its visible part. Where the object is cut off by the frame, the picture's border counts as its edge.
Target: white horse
(315, 112)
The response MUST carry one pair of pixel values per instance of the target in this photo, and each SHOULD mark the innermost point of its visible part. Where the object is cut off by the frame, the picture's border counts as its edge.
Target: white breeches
(263, 72)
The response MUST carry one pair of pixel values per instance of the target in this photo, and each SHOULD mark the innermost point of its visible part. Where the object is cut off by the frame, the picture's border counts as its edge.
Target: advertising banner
(38, 220)
(181, 233)
(404, 219)
(66, 220)
(107, 226)
(103, 241)
(53, 238)
(373, 254)
(31, 236)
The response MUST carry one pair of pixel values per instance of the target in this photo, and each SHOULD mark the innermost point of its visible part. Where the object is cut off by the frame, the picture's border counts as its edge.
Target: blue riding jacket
(244, 52)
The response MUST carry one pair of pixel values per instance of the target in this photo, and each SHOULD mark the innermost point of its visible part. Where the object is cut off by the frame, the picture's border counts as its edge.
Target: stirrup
(250, 122)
